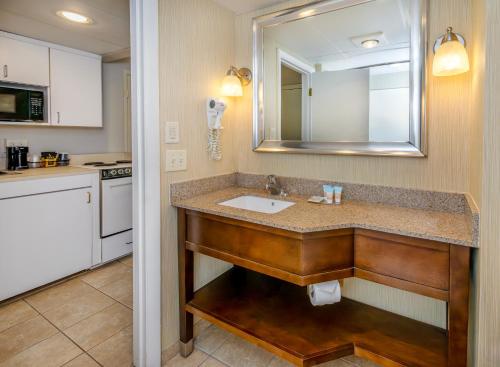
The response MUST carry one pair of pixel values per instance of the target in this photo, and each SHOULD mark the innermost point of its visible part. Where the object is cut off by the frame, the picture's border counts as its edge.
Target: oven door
(116, 206)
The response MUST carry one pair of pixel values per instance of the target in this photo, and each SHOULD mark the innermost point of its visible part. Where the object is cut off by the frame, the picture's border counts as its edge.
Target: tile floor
(83, 322)
(215, 347)
(87, 322)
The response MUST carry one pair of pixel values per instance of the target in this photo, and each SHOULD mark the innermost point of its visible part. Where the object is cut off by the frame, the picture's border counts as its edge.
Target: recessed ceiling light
(75, 17)
(307, 13)
(370, 43)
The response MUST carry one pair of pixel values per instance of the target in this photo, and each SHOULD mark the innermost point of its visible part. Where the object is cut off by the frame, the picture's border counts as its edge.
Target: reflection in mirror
(341, 73)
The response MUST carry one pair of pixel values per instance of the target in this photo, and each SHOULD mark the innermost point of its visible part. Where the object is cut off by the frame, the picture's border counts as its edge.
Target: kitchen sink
(258, 204)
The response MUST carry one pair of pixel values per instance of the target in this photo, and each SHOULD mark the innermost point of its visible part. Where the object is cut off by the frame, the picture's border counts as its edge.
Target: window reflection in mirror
(340, 76)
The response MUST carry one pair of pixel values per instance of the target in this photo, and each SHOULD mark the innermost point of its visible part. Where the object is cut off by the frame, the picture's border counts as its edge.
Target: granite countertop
(39, 173)
(304, 217)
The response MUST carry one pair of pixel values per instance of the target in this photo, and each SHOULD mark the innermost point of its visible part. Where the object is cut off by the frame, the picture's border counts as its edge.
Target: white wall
(389, 106)
(340, 105)
(108, 139)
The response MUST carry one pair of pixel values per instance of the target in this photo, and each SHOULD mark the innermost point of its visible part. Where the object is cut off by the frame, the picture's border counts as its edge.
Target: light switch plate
(176, 160)
(172, 132)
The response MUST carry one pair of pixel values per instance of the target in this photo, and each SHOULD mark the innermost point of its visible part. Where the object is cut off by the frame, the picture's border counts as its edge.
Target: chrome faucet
(273, 187)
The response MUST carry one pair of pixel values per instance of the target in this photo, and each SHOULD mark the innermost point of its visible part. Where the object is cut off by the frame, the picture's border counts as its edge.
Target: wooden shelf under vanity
(263, 298)
(279, 317)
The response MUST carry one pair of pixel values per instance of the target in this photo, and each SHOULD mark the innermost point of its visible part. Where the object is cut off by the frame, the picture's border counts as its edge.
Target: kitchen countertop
(38, 173)
(304, 217)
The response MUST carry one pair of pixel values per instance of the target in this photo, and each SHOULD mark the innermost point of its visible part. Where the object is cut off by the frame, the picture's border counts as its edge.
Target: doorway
(294, 97)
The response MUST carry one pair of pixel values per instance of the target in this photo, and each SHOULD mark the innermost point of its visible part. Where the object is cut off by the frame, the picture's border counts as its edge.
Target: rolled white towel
(325, 293)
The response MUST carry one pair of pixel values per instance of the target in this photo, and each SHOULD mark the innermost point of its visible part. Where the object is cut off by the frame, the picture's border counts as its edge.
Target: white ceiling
(327, 37)
(245, 6)
(38, 19)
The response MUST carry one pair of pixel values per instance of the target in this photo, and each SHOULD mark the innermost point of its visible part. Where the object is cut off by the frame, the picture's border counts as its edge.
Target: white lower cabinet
(117, 246)
(45, 236)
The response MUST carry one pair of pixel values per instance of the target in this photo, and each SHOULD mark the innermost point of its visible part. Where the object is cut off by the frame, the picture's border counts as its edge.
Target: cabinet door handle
(58, 117)
(5, 71)
(89, 197)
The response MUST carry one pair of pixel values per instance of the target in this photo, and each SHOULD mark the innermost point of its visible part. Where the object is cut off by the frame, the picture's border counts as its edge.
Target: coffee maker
(17, 158)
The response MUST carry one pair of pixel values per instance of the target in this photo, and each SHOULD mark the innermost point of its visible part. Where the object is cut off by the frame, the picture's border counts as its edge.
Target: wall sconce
(450, 55)
(235, 80)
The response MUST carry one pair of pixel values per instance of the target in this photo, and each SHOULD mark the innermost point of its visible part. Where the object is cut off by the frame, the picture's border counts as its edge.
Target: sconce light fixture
(235, 80)
(450, 55)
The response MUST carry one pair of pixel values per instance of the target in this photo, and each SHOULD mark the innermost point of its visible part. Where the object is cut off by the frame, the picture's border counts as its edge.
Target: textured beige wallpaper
(488, 338)
(477, 59)
(196, 49)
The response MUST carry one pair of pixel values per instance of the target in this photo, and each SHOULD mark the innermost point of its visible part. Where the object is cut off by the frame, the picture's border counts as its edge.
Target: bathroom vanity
(263, 298)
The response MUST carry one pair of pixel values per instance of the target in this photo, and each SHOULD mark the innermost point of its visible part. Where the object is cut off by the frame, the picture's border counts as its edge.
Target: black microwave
(21, 104)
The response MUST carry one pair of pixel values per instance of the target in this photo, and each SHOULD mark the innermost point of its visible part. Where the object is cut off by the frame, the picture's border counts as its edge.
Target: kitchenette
(65, 162)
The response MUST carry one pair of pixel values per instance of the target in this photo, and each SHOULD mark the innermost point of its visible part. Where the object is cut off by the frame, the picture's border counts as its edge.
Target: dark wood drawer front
(248, 243)
(334, 251)
(414, 260)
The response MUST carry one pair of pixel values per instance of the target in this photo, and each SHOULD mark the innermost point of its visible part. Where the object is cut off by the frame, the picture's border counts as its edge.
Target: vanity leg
(458, 306)
(186, 279)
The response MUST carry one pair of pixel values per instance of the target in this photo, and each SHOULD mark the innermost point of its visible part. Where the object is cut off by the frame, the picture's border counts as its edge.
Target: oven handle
(6, 71)
(120, 185)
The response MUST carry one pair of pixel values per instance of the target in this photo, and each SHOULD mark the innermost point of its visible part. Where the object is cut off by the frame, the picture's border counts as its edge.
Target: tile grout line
(114, 299)
(82, 354)
(38, 342)
(20, 322)
(73, 341)
(218, 360)
(98, 289)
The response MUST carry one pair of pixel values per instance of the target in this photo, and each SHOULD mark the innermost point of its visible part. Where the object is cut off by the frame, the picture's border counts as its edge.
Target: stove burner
(101, 164)
(92, 163)
(123, 161)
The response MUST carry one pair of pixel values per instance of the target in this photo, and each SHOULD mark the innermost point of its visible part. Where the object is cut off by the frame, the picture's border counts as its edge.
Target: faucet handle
(271, 179)
(283, 193)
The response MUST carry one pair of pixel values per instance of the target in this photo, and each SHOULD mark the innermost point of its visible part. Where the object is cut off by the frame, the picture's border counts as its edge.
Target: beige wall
(488, 338)
(196, 49)
(477, 59)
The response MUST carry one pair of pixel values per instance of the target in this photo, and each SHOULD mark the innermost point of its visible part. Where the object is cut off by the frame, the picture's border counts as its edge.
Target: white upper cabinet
(23, 62)
(75, 89)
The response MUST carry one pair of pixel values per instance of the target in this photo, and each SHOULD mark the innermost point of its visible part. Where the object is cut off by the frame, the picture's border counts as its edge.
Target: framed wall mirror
(342, 77)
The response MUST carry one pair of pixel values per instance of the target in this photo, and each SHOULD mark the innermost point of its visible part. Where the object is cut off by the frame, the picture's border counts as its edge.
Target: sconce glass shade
(231, 86)
(450, 59)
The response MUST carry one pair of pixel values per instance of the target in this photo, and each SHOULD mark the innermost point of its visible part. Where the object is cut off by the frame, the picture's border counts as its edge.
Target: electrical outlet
(16, 143)
(176, 160)
(172, 132)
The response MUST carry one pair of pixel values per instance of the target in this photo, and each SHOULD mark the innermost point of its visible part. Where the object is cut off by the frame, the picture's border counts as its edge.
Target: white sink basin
(258, 204)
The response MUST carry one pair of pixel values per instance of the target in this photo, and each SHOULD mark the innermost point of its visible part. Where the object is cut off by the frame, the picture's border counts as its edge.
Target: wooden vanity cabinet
(263, 299)
(299, 258)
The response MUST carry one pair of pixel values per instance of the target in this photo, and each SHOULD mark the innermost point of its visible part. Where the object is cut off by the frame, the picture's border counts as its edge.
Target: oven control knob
(120, 171)
(113, 172)
(128, 171)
